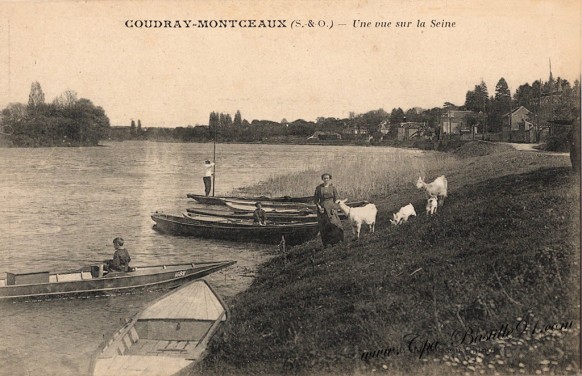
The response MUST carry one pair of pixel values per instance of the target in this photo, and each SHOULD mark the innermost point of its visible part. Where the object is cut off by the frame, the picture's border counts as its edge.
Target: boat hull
(170, 334)
(116, 283)
(283, 209)
(295, 233)
(272, 217)
(219, 200)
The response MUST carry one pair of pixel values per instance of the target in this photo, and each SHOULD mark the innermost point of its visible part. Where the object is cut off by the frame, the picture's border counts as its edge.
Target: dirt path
(533, 147)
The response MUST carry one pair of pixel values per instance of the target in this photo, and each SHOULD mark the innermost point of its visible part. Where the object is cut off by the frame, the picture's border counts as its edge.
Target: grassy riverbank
(503, 250)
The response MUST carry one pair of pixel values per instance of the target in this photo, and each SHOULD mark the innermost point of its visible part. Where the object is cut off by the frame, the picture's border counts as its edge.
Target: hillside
(503, 252)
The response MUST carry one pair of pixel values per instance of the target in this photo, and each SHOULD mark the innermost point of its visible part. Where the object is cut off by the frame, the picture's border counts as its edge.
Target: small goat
(438, 188)
(364, 214)
(431, 205)
(403, 214)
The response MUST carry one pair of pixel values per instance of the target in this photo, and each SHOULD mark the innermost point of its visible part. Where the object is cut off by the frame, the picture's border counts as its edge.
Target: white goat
(431, 205)
(437, 188)
(403, 214)
(364, 214)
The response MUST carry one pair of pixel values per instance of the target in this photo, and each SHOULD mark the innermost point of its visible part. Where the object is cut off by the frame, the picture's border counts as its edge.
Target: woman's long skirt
(330, 226)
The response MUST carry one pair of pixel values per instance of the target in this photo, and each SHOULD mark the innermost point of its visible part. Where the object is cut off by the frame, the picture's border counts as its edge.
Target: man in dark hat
(121, 257)
(259, 216)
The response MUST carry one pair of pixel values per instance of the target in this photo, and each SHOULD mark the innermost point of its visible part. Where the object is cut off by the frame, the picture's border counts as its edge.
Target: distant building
(454, 121)
(409, 130)
(518, 119)
(518, 127)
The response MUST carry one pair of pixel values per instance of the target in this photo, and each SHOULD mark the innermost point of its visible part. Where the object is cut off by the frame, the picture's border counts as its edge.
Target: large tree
(36, 96)
(478, 99)
(237, 119)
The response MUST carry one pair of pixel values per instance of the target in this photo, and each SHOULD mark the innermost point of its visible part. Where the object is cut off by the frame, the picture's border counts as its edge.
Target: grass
(503, 250)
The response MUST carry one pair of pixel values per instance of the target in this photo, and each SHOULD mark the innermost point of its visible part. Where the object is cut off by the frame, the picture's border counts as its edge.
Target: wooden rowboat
(93, 281)
(219, 200)
(235, 230)
(234, 214)
(289, 209)
(167, 336)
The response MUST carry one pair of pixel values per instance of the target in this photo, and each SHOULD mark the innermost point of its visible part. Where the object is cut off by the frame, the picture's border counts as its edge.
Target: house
(454, 121)
(518, 126)
(409, 130)
(520, 118)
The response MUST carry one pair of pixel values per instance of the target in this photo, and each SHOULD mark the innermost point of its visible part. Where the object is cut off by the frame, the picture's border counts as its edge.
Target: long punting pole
(214, 161)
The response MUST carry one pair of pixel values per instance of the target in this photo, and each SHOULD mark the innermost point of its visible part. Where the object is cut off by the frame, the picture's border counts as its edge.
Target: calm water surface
(60, 208)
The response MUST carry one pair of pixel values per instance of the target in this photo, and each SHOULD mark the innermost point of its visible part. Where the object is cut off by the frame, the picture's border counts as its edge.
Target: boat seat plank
(161, 345)
(133, 334)
(140, 365)
(127, 341)
(143, 347)
(67, 277)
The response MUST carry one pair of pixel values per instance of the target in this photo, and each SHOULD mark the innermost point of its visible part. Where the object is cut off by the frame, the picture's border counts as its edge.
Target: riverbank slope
(503, 252)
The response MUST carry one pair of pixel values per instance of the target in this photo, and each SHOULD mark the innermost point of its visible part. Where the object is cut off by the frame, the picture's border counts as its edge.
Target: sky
(168, 77)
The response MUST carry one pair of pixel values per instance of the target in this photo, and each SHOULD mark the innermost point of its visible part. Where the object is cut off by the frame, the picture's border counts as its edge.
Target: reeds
(360, 177)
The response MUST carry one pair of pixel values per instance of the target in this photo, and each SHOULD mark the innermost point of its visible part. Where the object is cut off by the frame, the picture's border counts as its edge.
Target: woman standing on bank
(330, 226)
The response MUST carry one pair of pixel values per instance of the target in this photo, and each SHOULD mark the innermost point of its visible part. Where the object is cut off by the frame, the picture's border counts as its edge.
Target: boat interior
(88, 273)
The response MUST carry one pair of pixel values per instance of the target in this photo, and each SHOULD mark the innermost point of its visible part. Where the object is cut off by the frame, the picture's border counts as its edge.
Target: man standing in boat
(208, 173)
(121, 257)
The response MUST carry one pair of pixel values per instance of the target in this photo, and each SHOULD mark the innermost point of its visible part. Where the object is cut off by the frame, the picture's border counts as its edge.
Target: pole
(214, 161)
(510, 114)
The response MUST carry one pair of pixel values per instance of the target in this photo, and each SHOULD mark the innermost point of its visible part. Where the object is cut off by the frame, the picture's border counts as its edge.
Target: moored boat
(289, 209)
(94, 281)
(234, 214)
(167, 336)
(283, 209)
(219, 200)
(235, 230)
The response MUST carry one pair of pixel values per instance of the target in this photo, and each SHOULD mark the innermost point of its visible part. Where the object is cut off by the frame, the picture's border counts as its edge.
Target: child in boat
(259, 216)
(121, 257)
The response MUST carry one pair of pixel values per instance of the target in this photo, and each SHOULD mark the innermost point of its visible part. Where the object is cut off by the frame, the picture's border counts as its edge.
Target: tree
(139, 130)
(14, 114)
(237, 119)
(213, 120)
(132, 131)
(396, 116)
(502, 90)
(67, 99)
(477, 100)
(224, 120)
(36, 96)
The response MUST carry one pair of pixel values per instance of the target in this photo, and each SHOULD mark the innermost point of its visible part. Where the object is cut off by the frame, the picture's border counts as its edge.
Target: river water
(60, 208)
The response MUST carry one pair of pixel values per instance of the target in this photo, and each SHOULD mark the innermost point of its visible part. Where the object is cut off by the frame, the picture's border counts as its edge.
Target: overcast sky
(177, 76)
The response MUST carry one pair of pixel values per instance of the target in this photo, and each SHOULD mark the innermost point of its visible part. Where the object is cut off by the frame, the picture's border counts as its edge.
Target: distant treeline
(67, 121)
(375, 123)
